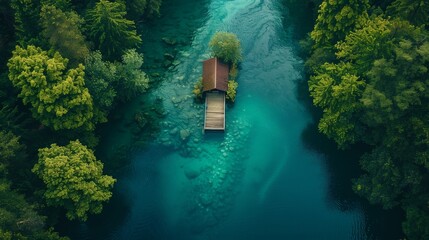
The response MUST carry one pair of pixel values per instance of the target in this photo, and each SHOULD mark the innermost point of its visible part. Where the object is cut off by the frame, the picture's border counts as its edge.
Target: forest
(64, 65)
(368, 64)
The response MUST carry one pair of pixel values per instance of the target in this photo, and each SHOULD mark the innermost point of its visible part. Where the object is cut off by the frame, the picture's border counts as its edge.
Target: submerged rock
(175, 100)
(206, 199)
(169, 56)
(174, 131)
(176, 62)
(169, 41)
(167, 63)
(191, 171)
(184, 134)
(155, 74)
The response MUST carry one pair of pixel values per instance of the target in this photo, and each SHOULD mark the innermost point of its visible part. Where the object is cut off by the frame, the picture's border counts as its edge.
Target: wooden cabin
(215, 85)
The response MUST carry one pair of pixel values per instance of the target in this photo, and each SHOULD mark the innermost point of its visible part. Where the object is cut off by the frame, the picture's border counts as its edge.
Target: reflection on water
(266, 177)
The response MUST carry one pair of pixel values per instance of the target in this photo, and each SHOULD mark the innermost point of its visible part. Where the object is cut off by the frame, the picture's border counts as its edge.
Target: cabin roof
(215, 75)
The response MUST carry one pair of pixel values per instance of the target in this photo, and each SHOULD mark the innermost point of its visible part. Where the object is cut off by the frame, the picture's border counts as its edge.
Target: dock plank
(214, 117)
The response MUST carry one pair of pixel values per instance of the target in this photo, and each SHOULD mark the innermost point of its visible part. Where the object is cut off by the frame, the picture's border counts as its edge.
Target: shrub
(198, 89)
(232, 90)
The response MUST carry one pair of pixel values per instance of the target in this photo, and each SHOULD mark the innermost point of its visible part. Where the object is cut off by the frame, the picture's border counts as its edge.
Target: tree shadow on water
(342, 167)
(114, 214)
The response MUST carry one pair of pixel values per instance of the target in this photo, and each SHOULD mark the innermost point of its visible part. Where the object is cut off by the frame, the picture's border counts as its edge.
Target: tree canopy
(74, 179)
(336, 19)
(138, 9)
(375, 90)
(58, 98)
(56, 86)
(131, 79)
(226, 46)
(111, 32)
(63, 33)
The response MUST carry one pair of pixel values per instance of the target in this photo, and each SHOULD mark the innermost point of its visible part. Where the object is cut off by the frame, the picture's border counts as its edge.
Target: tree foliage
(74, 179)
(226, 46)
(415, 11)
(132, 81)
(198, 89)
(376, 91)
(9, 148)
(111, 32)
(100, 78)
(26, 16)
(58, 98)
(153, 7)
(336, 88)
(63, 5)
(62, 31)
(18, 218)
(336, 19)
(231, 93)
(138, 9)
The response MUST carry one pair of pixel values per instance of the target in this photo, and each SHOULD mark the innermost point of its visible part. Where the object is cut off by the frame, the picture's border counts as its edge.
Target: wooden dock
(214, 117)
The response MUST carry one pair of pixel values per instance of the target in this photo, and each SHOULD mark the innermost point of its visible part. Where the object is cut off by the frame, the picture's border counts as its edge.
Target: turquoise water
(269, 176)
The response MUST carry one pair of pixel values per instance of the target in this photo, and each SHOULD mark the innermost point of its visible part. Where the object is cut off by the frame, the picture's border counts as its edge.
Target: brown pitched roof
(215, 75)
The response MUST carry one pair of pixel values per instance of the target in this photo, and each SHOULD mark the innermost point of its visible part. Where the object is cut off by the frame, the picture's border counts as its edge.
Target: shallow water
(266, 177)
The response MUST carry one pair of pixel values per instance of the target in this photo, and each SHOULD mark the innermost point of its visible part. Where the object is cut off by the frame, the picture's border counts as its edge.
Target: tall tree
(58, 98)
(63, 5)
(62, 31)
(111, 32)
(337, 89)
(100, 78)
(74, 179)
(131, 79)
(336, 19)
(415, 11)
(139, 9)
(26, 19)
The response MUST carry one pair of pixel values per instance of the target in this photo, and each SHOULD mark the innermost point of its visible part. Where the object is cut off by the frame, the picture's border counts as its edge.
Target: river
(269, 176)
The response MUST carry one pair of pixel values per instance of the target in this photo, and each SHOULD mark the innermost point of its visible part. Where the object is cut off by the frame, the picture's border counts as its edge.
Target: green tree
(62, 31)
(111, 32)
(63, 5)
(336, 19)
(152, 7)
(58, 99)
(132, 81)
(7, 30)
(378, 93)
(16, 214)
(226, 46)
(417, 222)
(336, 88)
(415, 11)
(100, 77)
(138, 9)
(26, 19)
(9, 148)
(392, 55)
(74, 179)
(19, 219)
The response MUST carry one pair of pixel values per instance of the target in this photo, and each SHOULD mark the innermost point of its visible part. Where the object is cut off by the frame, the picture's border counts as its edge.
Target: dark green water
(269, 176)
